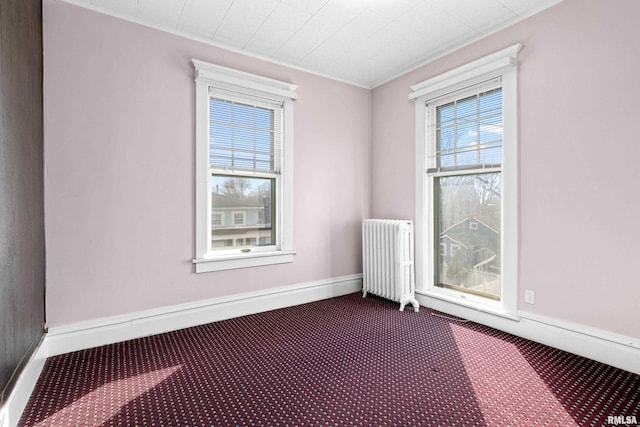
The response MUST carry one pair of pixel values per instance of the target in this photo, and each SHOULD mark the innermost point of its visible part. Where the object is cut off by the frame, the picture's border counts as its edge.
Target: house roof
(220, 201)
(470, 218)
(465, 238)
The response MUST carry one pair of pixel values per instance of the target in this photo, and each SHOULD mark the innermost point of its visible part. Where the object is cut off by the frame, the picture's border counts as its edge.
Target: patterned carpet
(345, 361)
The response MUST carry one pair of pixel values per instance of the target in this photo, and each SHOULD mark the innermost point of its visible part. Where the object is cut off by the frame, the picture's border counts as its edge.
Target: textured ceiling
(364, 42)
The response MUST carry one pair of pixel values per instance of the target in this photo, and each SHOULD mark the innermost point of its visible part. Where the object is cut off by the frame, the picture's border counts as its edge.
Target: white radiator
(387, 258)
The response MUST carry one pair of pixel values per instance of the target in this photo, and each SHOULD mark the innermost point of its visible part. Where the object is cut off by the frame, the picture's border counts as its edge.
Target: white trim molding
(241, 81)
(469, 77)
(109, 330)
(256, 89)
(15, 402)
(616, 350)
(468, 74)
(230, 262)
(603, 346)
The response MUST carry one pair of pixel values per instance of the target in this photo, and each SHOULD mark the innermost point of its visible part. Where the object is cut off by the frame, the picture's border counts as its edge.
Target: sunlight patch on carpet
(119, 393)
(491, 365)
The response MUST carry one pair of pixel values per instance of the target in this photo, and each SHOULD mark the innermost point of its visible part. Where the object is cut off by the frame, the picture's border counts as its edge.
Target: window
(244, 155)
(467, 183)
(238, 219)
(217, 219)
(464, 167)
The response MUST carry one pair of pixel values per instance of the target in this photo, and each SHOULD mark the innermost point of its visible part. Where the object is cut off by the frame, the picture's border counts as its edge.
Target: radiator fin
(387, 258)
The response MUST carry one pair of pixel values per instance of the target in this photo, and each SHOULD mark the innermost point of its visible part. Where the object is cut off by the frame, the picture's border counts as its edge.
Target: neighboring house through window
(466, 141)
(244, 155)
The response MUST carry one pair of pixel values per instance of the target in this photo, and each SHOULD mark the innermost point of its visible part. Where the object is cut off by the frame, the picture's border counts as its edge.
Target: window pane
(466, 144)
(241, 136)
(222, 110)
(469, 131)
(264, 118)
(446, 156)
(466, 109)
(491, 102)
(468, 254)
(491, 129)
(243, 114)
(446, 114)
(242, 209)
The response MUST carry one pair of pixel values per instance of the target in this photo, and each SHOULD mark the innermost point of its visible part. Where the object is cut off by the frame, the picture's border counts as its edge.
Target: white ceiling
(364, 42)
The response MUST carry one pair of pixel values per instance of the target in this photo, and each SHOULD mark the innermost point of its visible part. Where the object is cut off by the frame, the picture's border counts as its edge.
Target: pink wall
(119, 165)
(579, 154)
(119, 170)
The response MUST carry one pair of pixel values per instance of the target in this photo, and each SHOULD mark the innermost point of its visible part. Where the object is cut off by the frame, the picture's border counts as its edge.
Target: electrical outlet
(529, 296)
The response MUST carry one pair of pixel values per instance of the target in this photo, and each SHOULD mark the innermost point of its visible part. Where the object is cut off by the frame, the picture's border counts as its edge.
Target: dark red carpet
(345, 361)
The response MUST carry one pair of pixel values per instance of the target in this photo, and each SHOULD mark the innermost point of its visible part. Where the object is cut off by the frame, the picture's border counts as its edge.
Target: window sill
(465, 305)
(205, 265)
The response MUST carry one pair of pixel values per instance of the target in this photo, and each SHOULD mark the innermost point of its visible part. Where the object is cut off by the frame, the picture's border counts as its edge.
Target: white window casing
(501, 65)
(239, 218)
(219, 218)
(213, 81)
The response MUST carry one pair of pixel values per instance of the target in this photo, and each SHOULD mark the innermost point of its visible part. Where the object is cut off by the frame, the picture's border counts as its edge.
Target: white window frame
(503, 65)
(221, 218)
(252, 86)
(242, 214)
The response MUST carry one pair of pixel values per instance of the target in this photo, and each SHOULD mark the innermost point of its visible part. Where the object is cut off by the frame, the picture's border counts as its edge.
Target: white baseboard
(613, 349)
(109, 330)
(12, 409)
(93, 333)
